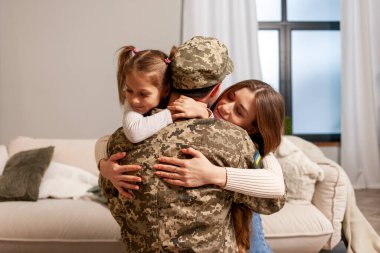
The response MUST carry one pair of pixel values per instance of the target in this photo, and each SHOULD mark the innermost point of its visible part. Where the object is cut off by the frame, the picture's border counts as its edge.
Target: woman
(252, 105)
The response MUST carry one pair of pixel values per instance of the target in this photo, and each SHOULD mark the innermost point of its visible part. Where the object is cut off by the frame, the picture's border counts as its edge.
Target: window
(299, 46)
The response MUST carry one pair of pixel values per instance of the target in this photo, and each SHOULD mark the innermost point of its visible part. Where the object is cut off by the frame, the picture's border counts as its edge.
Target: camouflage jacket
(167, 218)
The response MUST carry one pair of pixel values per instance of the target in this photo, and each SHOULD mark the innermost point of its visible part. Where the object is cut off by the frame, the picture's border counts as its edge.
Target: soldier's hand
(193, 172)
(118, 174)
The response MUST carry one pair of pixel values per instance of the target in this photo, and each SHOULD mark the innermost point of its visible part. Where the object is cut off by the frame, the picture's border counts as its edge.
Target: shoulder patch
(257, 159)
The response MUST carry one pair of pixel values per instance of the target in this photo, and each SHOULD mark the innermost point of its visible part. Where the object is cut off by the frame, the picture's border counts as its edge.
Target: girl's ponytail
(126, 53)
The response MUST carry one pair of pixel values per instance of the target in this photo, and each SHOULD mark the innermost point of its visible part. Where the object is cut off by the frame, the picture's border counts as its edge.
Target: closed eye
(144, 94)
(230, 96)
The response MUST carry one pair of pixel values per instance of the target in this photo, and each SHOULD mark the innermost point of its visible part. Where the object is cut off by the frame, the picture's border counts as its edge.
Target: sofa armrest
(330, 195)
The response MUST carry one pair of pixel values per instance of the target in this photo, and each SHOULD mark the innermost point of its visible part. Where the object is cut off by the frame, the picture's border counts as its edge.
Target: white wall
(58, 61)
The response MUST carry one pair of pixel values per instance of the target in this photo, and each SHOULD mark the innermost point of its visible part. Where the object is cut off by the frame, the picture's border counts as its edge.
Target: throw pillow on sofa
(300, 173)
(22, 174)
(65, 181)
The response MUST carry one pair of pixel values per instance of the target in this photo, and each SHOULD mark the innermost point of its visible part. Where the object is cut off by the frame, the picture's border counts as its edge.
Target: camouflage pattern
(199, 63)
(167, 218)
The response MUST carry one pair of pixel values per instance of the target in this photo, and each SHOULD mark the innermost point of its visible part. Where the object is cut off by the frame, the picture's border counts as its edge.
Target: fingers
(128, 186)
(128, 168)
(179, 116)
(168, 168)
(117, 156)
(176, 108)
(129, 178)
(129, 194)
(168, 175)
(171, 161)
(183, 98)
(175, 182)
(192, 152)
(202, 104)
(121, 191)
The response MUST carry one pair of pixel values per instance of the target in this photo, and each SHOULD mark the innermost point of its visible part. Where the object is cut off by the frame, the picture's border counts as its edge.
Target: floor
(368, 202)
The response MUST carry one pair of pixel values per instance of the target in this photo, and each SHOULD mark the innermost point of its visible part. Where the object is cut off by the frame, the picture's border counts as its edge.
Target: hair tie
(135, 51)
(167, 60)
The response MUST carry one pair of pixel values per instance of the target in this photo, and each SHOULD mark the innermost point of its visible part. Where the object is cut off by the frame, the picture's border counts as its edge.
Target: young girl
(143, 79)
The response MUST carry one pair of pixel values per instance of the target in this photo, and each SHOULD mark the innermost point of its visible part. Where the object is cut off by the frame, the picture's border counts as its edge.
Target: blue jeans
(258, 243)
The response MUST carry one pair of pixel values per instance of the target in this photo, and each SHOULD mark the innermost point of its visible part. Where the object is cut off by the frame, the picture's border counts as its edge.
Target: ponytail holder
(167, 60)
(135, 51)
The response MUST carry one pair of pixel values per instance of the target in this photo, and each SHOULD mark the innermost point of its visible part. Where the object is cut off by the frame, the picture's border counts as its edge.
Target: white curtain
(360, 152)
(232, 22)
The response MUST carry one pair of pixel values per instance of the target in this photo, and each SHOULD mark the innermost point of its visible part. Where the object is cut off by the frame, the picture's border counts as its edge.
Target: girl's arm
(266, 183)
(138, 128)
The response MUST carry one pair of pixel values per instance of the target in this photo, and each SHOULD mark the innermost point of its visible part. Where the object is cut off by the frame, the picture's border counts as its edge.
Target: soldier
(166, 218)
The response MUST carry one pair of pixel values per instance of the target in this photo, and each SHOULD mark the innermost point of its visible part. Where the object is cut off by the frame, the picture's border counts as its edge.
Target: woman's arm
(266, 183)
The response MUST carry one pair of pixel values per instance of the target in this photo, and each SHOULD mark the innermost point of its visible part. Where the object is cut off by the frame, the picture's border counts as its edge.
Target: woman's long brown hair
(268, 125)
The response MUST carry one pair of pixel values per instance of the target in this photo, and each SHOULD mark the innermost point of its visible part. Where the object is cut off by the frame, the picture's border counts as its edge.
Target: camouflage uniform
(167, 218)
(199, 63)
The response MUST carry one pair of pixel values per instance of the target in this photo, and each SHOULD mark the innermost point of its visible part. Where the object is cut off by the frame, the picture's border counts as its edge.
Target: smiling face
(237, 107)
(141, 93)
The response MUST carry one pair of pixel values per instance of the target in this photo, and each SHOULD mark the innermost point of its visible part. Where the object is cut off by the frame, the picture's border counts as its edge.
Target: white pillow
(300, 173)
(65, 181)
(3, 157)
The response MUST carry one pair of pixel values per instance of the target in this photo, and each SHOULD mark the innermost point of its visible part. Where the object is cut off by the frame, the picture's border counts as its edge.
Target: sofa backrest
(75, 152)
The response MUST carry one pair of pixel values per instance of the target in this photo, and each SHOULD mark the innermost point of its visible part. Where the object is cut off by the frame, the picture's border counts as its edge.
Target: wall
(58, 61)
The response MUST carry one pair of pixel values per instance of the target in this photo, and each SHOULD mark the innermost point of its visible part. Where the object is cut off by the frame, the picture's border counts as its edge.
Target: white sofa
(67, 225)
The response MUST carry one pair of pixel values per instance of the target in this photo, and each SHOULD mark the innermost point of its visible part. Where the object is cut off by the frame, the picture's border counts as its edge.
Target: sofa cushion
(3, 157)
(300, 173)
(23, 173)
(75, 152)
(57, 220)
(296, 228)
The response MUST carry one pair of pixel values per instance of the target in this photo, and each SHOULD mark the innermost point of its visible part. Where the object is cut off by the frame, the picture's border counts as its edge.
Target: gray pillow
(22, 174)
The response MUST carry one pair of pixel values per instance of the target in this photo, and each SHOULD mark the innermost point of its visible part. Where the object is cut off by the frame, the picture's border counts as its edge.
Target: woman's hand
(193, 172)
(185, 107)
(117, 174)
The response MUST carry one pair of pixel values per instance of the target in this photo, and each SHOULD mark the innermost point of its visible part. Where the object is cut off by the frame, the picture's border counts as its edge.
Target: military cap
(199, 63)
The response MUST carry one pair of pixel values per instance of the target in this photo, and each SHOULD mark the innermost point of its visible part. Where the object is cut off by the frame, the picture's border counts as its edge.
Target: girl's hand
(185, 107)
(117, 174)
(193, 172)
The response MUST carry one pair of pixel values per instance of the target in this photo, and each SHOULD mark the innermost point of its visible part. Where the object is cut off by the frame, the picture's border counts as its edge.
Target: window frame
(285, 29)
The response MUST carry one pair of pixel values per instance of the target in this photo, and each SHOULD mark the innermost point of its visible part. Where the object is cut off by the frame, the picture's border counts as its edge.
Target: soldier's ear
(215, 91)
